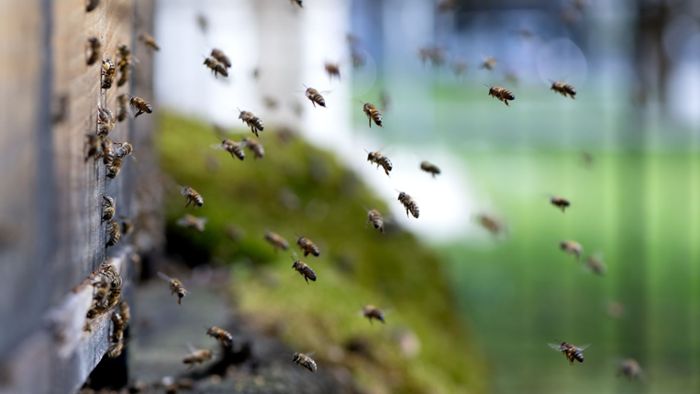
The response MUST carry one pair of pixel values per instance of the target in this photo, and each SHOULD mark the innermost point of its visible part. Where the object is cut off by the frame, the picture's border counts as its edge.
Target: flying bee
(149, 41)
(108, 72)
(358, 58)
(511, 77)
(560, 202)
(596, 265)
(113, 166)
(409, 204)
(215, 66)
(459, 68)
(297, 2)
(333, 70)
(255, 146)
(315, 97)
(198, 356)
(192, 196)
(571, 352)
(430, 168)
(305, 361)
(224, 337)
(123, 64)
(233, 147)
(93, 49)
(114, 233)
(571, 247)
(501, 93)
(564, 89)
(108, 208)
(271, 103)
(304, 270)
(90, 5)
(308, 247)
(372, 312)
(489, 63)
(176, 287)
(491, 224)
(376, 218)
(276, 240)
(435, 55)
(373, 114)
(630, 368)
(191, 221)
(252, 121)
(122, 101)
(221, 57)
(140, 105)
(105, 121)
(379, 159)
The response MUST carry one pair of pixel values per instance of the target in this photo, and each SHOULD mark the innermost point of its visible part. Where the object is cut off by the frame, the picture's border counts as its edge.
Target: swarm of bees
(571, 352)
(305, 361)
(380, 160)
(373, 114)
(176, 287)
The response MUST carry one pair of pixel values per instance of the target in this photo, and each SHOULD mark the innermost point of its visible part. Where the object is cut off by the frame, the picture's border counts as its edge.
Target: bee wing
(555, 346)
(164, 277)
(584, 347)
(216, 146)
(191, 348)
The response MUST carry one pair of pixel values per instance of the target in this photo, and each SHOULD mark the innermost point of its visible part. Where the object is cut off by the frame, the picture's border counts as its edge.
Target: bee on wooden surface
(489, 63)
(120, 320)
(629, 368)
(596, 265)
(376, 219)
(114, 233)
(233, 147)
(192, 196)
(332, 69)
(221, 57)
(114, 281)
(409, 204)
(108, 208)
(251, 121)
(176, 287)
(379, 159)
(149, 41)
(276, 240)
(490, 223)
(459, 68)
(571, 247)
(123, 64)
(308, 247)
(572, 353)
(105, 121)
(93, 50)
(373, 114)
(305, 361)
(430, 168)
(501, 93)
(315, 97)
(125, 311)
(560, 202)
(193, 222)
(215, 66)
(564, 89)
(224, 337)
(304, 270)
(198, 356)
(297, 2)
(108, 72)
(255, 146)
(140, 105)
(121, 149)
(122, 102)
(91, 5)
(371, 312)
(113, 165)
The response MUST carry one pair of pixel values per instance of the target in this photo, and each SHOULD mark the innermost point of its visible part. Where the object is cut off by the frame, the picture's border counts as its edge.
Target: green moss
(298, 189)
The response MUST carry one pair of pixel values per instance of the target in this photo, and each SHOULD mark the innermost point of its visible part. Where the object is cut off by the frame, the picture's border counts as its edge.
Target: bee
(571, 352)
(501, 93)
(305, 361)
(224, 337)
(202, 23)
(113, 166)
(615, 309)
(125, 311)
(215, 66)
(252, 121)
(304, 270)
(571, 247)
(221, 57)
(191, 221)
(459, 68)
(511, 77)
(564, 89)
(384, 100)
(121, 149)
(629, 368)
(176, 287)
(90, 5)
(127, 226)
(123, 64)
(108, 72)
(560, 202)
(308, 247)
(596, 265)
(333, 70)
(149, 41)
(192, 196)
(234, 148)
(122, 101)
(315, 97)
(297, 2)
(115, 349)
(491, 224)
(114, 233)
(93, 147)
(434, 54)
(93, 49)
(140, 105)
(198, 356)
(108, 208)
(255, 146)
(409, 204)
(120, 319)
(105, 121)
(376, 218)
(114, 282)
(430, 168)
(276, 240)
(372, 312)
(379, 159)
(489, 63)
(271, 103)
(59, 108)
(373, 114)
(358, 58)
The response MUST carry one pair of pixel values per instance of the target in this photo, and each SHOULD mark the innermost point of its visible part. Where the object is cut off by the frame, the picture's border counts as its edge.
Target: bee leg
(306, 278)
(370, 121)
